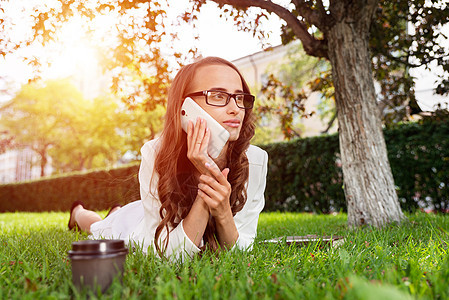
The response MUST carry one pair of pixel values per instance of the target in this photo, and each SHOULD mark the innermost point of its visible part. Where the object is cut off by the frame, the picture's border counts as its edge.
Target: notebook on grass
(333, 241)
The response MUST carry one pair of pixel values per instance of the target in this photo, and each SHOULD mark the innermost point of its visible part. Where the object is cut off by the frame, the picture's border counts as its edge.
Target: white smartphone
(190, 111)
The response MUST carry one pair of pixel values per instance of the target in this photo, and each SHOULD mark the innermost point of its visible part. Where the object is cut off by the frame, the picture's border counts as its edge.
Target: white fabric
(136, 222)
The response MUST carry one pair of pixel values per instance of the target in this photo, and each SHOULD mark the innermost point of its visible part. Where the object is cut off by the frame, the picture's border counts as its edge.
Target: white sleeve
(179, 245)
(246, 220)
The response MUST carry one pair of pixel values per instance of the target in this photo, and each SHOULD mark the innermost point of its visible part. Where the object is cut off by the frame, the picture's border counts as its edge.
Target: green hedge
(97, 189)
(419, 158)
(303, 175)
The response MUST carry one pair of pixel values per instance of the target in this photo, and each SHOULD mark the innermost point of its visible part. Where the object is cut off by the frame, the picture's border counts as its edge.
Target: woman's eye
(220, 96)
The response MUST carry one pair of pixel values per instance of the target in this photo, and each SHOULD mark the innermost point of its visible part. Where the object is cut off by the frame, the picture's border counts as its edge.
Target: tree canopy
(38, 116)
(135, 49)
(55, 120)
(403, 36)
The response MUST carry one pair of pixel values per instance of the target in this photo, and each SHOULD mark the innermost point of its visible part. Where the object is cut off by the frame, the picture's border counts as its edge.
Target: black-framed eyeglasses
(221, 98)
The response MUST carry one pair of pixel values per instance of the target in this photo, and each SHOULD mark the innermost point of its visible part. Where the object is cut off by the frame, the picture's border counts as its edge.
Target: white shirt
(130, 224)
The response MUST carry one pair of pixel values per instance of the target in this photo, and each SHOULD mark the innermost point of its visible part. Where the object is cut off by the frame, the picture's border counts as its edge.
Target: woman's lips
(234, 123)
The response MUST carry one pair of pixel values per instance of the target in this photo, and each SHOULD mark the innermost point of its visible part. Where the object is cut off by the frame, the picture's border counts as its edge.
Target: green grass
(399, 262)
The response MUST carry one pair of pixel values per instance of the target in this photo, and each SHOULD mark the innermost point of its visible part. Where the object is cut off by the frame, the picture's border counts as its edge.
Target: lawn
(399, 262)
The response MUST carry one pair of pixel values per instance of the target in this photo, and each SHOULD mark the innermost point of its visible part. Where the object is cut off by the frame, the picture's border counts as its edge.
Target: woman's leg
(84, 218)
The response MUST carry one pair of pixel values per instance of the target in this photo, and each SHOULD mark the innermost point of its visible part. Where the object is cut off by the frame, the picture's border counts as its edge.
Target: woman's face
(225, 78)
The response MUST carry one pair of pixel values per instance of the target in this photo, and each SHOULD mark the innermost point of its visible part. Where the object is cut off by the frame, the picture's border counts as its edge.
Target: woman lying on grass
(189, 200)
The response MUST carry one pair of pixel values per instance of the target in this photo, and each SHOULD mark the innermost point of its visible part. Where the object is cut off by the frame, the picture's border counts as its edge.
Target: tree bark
(42, 152)
(43, 162)
(368, 180)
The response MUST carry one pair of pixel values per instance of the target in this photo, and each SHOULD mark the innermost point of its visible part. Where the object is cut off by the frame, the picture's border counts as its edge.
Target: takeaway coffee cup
(97, 262)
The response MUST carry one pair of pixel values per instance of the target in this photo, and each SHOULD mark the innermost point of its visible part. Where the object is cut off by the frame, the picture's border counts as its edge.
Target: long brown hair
(177, 187)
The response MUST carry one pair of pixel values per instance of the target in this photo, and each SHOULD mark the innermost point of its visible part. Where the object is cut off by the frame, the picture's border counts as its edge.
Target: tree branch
(311, 45)
(361, 12)
(316, 17)
(329, 124)
(367, 11)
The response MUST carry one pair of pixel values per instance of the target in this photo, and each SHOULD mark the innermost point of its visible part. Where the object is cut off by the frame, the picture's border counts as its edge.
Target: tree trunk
(368, 182)
(42, 152)
(43, 163)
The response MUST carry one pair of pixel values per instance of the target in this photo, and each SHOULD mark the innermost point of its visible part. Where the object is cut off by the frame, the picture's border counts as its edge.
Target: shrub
(303, 175)
(98, 190)
(419, 158)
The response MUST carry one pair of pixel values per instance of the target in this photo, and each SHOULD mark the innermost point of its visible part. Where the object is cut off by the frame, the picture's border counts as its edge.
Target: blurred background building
(21, 165)
(256, 68)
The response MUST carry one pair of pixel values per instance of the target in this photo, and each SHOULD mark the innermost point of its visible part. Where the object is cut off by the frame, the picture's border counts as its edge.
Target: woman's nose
(232, 105)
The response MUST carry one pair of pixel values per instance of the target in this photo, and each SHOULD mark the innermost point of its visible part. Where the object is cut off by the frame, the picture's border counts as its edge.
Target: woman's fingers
(196, 131)
(225, 173)
(206, 139)
(200, 127)
(215, 195)
(189, 134)
(207, 189)
(214, 188)
(214, 200)
(209, 201)
(221, 176)
(198, 136)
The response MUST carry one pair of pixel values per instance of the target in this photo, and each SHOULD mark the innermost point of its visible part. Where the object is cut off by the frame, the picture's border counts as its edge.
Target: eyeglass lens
(221, 98)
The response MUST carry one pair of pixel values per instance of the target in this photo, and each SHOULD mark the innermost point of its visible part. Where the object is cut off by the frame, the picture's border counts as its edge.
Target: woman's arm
(185, 238)
(227, 231)
(188, 235)
(196, 221)
(241, 229)
(215, 191)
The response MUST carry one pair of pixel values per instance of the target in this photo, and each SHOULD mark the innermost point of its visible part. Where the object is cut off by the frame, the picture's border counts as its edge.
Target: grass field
(399, 262)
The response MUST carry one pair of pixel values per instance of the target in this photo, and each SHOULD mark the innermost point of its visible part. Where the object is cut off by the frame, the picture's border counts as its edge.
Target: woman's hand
(198, 137)
(215, 191)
